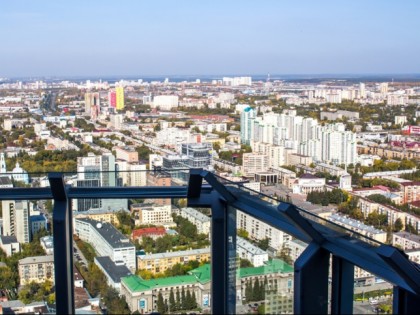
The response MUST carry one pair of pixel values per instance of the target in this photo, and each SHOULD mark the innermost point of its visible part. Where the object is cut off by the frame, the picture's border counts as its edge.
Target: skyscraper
(362, 90)
(112, 98)
(97, 171)
(119, 91)
(247, 120)
(92, 103)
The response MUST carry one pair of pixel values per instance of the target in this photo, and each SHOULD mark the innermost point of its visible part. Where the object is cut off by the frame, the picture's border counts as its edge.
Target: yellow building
(99, 215)
(119, 90)
(156, 263)
(36, 269)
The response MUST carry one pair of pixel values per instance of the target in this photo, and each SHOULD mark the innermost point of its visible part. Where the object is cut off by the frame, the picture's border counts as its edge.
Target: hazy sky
(153, 37)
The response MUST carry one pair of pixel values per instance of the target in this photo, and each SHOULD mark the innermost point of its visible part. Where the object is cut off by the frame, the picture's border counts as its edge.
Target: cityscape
(342, 146)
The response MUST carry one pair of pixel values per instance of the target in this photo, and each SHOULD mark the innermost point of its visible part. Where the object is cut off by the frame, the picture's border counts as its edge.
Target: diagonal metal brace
(300, 222)
(398, 261)
(227, 195)
(194, 183)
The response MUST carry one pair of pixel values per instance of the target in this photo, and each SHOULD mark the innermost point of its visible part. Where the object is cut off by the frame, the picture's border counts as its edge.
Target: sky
(139, 37)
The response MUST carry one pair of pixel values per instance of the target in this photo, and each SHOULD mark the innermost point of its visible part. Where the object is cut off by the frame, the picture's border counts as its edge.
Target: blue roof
(38, 217)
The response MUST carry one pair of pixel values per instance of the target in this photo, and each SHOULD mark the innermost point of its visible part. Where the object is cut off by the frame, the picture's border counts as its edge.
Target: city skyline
(139, 38)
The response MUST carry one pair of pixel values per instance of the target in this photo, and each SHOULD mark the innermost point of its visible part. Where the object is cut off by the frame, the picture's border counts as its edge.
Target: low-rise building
(101, 215)
(47, 243)
(112, 271)
(107, 241)
(200, 220)
(154, 232)
(406, 240)
(38, 222)
(308, 183)
(247, 250)
(358, 227)
(146, 213)
(141, 295)
(160, 262)
(36, 269)
(9, 245)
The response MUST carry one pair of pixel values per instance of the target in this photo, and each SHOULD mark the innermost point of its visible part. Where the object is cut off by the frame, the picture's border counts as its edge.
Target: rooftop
(8, 239)
(354, 223)
(249, 247)
(176, 254)
(116, 272)
(37, 260)
(196, 214)
(111, 235)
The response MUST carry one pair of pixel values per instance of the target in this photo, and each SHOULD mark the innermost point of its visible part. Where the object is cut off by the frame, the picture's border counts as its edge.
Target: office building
(38, 222)
(254, 163)
(107, 241)
(113, 272)
(97, 171)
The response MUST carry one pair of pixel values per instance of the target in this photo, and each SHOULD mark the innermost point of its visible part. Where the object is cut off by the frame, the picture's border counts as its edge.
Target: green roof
(202, 274)
(136, 283)
(271, 266)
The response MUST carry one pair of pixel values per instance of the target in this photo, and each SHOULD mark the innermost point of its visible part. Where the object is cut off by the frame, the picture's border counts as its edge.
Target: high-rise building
(98, 171)
(92, 104)
(2, 164)
(247, 119)
(383, 87)
(16, 219)
(119, 92)
(112, 99)
(362, 90)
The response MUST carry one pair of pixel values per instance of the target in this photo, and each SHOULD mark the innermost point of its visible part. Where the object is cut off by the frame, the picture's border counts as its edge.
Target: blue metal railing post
(342, 286)
(311, 281)
(219, 256)
(405, 302)
(63, 246)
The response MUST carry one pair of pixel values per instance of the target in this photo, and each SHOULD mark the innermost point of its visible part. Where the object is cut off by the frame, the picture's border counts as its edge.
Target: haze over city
(98, 38)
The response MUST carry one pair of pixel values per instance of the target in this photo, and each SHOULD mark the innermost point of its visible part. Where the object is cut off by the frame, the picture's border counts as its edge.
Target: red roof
(160, 230)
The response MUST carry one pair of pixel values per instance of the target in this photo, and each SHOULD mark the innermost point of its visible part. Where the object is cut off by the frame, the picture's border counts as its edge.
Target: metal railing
(347, 248)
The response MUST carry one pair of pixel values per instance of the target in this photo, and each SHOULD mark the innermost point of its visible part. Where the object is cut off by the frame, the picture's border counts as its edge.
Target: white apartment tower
(247, 119)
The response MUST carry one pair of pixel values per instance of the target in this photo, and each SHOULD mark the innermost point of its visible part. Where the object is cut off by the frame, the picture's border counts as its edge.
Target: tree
(172, 303)
(161, 304)
(264, 243)
(178, 301)
(245, 263)
(256, 292)
(183, 299)
(398, 225)
(243, 233)
(188, 301)
(248, 291)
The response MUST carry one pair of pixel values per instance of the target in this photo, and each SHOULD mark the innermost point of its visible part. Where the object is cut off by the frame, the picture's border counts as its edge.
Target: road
(78, 253)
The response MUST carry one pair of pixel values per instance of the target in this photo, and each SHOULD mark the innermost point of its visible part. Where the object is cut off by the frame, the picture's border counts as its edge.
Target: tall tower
(247, 120)
(119, 91)
(362, 90)
(2, 164)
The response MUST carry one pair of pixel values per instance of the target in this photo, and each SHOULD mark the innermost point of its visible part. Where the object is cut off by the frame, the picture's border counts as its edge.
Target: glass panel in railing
(173, 270)
(265, 257)
(27, 282)
(372, 295)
